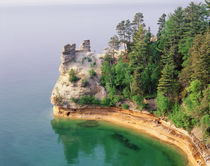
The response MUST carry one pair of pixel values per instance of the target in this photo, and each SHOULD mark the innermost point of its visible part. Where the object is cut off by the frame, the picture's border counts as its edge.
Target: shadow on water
(89, 123)
(126, 142)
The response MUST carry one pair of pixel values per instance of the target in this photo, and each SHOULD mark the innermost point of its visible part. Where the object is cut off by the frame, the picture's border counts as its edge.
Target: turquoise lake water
(31, 43)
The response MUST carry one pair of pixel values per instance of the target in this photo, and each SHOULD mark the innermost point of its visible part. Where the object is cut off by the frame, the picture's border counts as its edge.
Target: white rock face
(81, 61)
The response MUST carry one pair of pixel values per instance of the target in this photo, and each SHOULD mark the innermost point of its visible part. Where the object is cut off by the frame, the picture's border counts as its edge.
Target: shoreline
(143, 122)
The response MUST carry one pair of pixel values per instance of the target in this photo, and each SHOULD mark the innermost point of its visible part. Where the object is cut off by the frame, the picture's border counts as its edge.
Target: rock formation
(80, 62)
(85, 46)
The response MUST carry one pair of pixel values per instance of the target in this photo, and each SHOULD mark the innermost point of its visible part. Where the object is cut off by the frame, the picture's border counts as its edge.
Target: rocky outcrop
(85, 46)
(80, 62)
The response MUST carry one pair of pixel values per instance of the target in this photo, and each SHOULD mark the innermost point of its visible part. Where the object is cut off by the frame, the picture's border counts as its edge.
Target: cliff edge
(80, 71)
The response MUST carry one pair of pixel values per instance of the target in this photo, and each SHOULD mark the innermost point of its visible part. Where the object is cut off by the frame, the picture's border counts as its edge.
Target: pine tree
(161, 23)
(195, 22)
(208, 4)
(201, 59)
(175, 34)
(138, 59)
(135, 88)
(139, 51)
(114, 43)
(167, 84)
(138, 20)
(195, 19)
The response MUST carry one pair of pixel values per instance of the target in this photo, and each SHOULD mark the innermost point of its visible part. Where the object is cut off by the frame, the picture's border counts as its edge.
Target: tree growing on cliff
(114, 43)
(125, 32)
(138, 20)
(72, 76)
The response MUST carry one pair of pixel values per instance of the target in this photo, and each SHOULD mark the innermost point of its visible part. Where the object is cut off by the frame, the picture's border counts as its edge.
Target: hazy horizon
(96, 2)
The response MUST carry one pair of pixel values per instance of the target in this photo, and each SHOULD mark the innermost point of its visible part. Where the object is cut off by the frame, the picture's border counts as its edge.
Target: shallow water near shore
(93, 142)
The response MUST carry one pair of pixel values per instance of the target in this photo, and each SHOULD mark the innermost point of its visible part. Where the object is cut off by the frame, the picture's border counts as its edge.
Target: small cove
(102, 143)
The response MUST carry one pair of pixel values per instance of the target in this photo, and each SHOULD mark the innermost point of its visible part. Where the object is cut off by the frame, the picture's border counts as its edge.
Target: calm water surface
(30, 45)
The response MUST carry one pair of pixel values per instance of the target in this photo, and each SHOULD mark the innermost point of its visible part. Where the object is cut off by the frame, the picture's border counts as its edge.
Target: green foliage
(138, 19)
(89, 59)
(114, 42)
(194, 95)
(92, 100)
(106, 102)
(72, 76)
(58, 98)
(102, 80)
(126, 93)
(84, 82)
(125, 106)
(161, 23)
(86, 100)
(114, 99)
(167, 85)
(184, 48)
(139, 51)
(74, 100)
(92, 73)
(205, 123)
(139, 100)
(151, 96)
(122, 78)
(201, 59)
(125, 31)
(163, 105)
(181, 119)
(150, 77)
(116, 77)
(92, 65)
(203, 108)
(89, 100)
(83, 59)
(205, 120)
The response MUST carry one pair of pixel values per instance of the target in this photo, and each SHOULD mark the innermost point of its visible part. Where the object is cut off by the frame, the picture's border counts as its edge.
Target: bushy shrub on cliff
(92, 73)
(180, 118)
(163, 105)
(205, 124)
(86, 100)
(139, 100)
(84, 82)
(125, 106)
(57, 100)
(74, 100)
(106, 102)
(72, 76)
(89, 100)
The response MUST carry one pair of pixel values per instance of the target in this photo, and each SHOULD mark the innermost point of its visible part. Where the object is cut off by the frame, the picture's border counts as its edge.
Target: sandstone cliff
(79, 62)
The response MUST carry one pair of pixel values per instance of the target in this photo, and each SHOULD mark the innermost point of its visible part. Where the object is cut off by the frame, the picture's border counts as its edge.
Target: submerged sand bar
(145, 123)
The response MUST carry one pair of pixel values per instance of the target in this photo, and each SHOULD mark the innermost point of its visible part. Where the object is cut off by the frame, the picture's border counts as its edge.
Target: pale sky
(56, 2)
